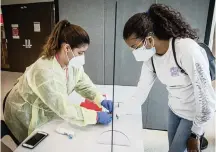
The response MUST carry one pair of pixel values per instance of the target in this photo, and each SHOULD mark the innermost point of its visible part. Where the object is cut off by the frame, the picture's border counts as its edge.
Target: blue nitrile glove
(108, 104)
(104, 118)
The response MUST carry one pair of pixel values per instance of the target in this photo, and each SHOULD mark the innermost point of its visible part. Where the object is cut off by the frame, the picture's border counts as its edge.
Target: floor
(7, 81)
(154, 141)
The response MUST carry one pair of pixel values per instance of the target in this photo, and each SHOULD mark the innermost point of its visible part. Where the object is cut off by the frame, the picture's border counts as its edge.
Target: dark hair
(160, 19)
(64, 32)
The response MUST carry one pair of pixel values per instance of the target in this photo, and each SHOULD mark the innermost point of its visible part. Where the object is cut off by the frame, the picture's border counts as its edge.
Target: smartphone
(35, 140)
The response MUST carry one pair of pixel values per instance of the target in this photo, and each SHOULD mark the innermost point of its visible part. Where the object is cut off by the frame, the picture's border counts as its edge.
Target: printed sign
(15, 31)
(1, 17)
(37, 27)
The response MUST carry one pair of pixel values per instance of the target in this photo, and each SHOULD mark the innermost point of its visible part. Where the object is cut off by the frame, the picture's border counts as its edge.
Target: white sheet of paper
(37, 27)
(14, 25)
(16, 37)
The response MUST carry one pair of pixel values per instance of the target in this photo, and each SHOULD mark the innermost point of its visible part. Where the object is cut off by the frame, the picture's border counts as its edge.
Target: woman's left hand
(193, 145)
(108, 104)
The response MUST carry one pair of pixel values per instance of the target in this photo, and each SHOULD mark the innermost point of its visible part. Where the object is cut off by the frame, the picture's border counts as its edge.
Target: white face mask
(143, 54)
(76, 61)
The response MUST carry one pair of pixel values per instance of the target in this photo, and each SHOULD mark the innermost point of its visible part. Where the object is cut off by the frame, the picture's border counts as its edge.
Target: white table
(87, 138)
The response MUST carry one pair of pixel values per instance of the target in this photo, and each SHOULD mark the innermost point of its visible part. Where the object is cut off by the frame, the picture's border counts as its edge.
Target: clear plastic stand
(119, 138)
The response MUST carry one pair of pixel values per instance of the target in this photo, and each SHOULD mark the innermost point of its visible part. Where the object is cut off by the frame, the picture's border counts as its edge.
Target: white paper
(37, 27)
(14, 25)
(16, 37)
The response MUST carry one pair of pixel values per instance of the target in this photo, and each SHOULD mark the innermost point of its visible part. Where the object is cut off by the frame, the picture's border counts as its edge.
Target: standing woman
(150, 35)
(41, 93)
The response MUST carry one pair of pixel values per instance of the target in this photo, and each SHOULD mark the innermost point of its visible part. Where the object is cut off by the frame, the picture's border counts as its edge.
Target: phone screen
(35, 139)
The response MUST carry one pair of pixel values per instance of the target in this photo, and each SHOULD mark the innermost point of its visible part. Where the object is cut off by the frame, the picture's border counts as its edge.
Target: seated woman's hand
(108, 104)
(104, 118)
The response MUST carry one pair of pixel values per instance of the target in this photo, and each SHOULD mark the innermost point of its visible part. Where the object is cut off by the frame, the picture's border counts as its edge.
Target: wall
(214, 42)
(214, 52)
(9, 2)
(195, 13)
(212, 39)
(89, 14)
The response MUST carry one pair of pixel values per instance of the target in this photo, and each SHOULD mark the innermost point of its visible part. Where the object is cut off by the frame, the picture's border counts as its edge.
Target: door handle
(29, 43)
(26, 45)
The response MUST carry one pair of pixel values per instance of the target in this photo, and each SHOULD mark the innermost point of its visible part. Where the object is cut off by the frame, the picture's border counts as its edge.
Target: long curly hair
(162, 20)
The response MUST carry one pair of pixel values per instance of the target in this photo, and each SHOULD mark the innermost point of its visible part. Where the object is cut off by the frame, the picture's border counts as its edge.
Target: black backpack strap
(211, 60)
(153, 65)
(174, 54)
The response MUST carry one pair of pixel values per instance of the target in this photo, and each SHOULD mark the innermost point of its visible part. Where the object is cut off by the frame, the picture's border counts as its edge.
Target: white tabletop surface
(89, 139)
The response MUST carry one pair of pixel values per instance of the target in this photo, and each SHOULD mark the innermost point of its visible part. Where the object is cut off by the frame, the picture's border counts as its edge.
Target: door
(14, 31)
(40, 23)
(26, 28)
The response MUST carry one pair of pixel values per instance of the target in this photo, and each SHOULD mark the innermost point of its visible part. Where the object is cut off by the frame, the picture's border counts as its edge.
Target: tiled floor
(154, 141)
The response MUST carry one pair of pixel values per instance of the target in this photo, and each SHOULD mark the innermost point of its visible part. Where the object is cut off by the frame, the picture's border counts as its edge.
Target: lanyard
(57, 58)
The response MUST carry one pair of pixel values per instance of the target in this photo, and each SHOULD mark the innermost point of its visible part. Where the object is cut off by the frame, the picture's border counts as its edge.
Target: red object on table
(88, 104)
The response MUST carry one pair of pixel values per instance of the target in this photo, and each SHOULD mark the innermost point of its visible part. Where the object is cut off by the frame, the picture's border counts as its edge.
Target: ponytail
(169, 23)
(52, 44)
(160, 19)
(64, 32)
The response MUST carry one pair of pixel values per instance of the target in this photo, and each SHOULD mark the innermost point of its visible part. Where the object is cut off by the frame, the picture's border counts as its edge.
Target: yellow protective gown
(41, 95)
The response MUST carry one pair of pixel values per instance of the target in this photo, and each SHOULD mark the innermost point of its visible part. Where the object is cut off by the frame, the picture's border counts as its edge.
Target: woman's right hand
(104, 118)
(193, 145)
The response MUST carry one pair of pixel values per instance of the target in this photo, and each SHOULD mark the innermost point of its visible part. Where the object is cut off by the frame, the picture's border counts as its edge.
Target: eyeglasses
(139, 45)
